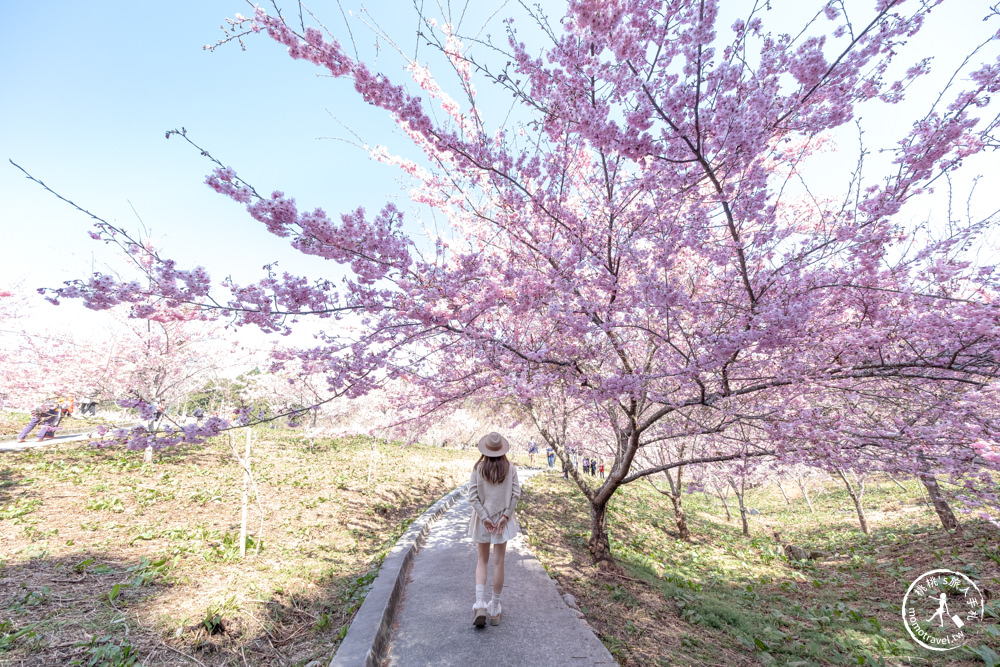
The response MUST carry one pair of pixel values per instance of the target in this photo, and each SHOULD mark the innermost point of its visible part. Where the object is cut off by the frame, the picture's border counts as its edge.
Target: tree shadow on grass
(91, 516)
(94, 608)
(10, 480)
(704, 611)
(803, 624)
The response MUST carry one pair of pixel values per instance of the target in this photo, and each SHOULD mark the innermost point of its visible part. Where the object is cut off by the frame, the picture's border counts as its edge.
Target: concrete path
(12, 445)
(434, 620)
(9, 443)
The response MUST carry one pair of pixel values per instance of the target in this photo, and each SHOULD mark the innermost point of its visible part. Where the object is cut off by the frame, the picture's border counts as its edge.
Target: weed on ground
(108, 560)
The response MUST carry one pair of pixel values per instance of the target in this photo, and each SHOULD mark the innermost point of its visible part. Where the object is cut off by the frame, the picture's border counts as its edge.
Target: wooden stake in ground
(248, 481)
(246, 488)
(373, 460)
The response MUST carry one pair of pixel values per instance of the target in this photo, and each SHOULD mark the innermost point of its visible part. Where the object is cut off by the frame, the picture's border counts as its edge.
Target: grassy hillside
(725, 599)
(105, 559)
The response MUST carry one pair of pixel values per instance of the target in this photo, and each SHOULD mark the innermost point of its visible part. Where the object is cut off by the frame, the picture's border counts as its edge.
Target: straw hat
(493, 444)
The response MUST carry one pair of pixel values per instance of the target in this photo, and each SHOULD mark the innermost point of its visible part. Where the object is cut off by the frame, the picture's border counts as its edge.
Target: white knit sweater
(490, 500)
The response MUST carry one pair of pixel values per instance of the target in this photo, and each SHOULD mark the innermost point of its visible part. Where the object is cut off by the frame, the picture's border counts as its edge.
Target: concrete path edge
(367, 637)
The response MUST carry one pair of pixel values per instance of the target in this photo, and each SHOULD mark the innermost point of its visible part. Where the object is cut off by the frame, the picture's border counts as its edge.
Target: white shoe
(493, 612)
(479, 614)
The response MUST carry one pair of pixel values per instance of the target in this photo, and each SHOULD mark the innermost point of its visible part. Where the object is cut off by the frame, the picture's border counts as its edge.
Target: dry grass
(11, 423)
(105, 559)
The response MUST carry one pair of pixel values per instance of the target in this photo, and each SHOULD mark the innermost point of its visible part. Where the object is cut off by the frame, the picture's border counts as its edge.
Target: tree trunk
(941, 506)
(245, 462)
(783, 494)
(600, 545)
(598, 499)
(372, 460)
(856, 496)
(805, 494)
(682, 528)
(676, 499)
(743, 508)
(725, 504)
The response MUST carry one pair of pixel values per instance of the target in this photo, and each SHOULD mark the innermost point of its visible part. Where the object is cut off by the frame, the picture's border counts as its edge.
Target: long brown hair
(493, 468)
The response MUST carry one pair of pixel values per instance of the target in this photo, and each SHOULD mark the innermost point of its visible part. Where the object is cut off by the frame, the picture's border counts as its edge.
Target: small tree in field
(856, 490)
(636, 240)
(675, 493)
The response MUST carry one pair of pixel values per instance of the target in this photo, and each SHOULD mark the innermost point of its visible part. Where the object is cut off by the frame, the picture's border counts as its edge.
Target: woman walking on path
(493, 494)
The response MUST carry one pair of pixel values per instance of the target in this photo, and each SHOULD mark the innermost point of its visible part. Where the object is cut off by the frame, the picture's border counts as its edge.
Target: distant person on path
(88, 406)
(45, 414)
(532, 450)
(551, 456)
(601, 468)
(493, 494)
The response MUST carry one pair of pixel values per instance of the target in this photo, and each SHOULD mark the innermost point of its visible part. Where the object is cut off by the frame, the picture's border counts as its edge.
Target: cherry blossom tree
(289, 388)
(162, 360)
(676, 496)
(639, 236)
(37, 363)
(11, 375)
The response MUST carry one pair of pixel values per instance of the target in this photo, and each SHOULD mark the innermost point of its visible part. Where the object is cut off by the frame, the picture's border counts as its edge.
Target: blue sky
(95, 87)
(90, 89)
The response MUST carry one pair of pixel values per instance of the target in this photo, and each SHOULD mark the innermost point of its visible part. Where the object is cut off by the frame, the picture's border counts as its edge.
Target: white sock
(496, 598)
(480, 592)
